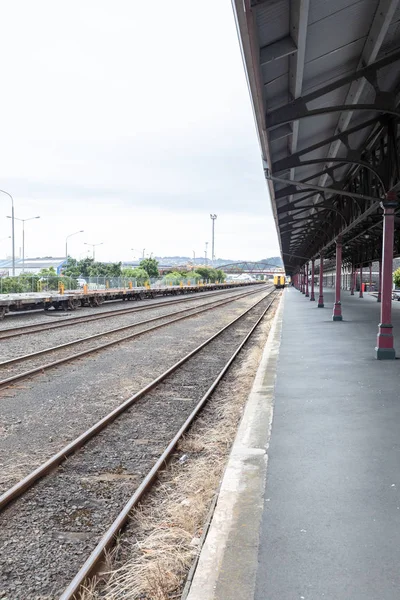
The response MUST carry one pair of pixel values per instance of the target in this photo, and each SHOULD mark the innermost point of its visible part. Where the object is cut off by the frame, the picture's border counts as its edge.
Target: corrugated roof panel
(272, 19)
(275, 69)
(332, 66)
(340, 29)
(321, 9)
(392, 38)
(317, 127)
(276, 92)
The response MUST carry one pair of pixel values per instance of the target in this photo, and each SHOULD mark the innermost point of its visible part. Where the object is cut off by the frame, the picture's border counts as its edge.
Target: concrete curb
(227, 565)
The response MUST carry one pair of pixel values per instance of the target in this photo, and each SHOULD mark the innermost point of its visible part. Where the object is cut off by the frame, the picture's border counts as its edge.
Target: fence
(33, 283)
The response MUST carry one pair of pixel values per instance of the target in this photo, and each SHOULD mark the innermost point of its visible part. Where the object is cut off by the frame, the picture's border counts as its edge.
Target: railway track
(46, 326)
(90, 344)
(51, 525)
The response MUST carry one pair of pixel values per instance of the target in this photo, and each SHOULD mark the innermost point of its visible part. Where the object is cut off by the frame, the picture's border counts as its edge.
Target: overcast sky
(130, 120)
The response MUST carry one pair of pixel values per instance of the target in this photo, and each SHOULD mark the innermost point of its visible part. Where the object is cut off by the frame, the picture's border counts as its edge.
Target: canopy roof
(324, 78)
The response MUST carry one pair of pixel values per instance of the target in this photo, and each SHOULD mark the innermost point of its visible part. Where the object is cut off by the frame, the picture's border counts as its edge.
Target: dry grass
(153, 558)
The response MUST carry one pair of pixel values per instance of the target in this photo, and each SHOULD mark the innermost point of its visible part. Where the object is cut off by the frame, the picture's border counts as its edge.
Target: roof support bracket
(319, 188)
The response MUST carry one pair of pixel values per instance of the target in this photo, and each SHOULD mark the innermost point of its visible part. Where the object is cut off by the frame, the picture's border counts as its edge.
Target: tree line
(74, 269)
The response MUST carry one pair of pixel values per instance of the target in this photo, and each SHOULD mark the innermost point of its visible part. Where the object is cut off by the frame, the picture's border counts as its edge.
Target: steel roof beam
(300, 209)
(378, 30)
(330, 139)
(368, 73)
(277, 50)
(298, 27)
(299, 10)
(318, 188)
(291, 189)
(384, 103)
(287, 163)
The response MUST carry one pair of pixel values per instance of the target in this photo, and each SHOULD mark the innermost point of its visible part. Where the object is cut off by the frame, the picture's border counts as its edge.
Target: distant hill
(274, 260)
(183, 260)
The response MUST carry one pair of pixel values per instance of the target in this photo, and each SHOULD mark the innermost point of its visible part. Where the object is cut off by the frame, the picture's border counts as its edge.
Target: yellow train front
(279, 281)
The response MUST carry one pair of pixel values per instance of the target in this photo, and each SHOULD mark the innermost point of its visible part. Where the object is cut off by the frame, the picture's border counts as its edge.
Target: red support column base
(337, 312)
(378, 298)
(321, 302)
(352, 292)
(384, 343)
(312, 297)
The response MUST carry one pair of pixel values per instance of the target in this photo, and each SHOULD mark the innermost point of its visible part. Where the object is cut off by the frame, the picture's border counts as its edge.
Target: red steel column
(306, 270)
(312, 296)
(378, 299)
(337, 308)
(321, 282)
(361, 294)
(370, 275)
(303, 289)
(384, 343)
(352, 280)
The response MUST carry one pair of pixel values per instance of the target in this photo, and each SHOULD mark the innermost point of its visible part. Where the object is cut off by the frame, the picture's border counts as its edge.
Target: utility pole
(93, 248)
(12, 230)
(23, 235)
(66, 241)
(212, 217)
(205, 253)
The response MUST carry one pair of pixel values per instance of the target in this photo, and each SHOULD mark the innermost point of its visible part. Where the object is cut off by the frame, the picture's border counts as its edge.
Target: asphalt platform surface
(331, 521)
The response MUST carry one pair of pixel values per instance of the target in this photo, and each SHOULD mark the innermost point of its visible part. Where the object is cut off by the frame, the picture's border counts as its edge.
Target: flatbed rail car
(279, 281)
(72, 300)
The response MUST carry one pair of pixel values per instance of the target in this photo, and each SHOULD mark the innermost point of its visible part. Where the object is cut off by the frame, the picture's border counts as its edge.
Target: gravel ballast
(40, 415)
(47, 534)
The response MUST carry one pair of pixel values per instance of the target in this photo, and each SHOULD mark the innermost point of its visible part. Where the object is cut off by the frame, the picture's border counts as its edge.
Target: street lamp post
(136, 250)
(66, 241)
(12, 230)
(93, 248)
(212, 217)
(23, 237)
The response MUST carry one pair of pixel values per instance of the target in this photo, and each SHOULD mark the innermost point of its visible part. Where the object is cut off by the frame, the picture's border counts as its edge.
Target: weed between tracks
(154, 555)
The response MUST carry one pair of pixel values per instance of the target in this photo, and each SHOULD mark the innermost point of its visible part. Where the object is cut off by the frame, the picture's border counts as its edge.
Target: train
(279, 281)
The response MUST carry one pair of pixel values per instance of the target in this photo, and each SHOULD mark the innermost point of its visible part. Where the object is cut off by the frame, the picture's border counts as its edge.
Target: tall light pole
(212, 217)
(93, 248)
(12, 230)
(136, 250)
(23, 236)
(66, 241)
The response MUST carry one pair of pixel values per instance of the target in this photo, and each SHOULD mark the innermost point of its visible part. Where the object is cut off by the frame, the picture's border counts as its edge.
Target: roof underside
(324, 78)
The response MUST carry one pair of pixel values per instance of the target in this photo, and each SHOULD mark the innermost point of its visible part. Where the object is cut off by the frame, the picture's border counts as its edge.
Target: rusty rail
(44, 367)
(43, 326)
(97, 556)
(19, 488)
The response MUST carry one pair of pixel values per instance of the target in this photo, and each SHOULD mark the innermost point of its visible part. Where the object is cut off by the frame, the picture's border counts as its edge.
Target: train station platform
(309, 505)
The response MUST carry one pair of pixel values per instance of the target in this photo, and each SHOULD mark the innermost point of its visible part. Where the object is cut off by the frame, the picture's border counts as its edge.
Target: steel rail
(19, 488)
(24, 357)
(44, 367)
(109, 537)
(43, 326)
